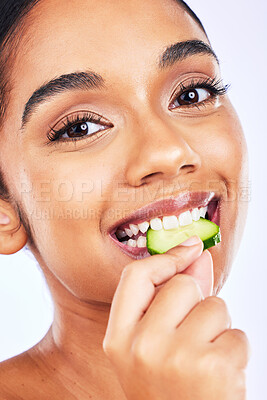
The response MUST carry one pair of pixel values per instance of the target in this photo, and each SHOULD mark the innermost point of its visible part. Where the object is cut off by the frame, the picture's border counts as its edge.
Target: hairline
(8, 51)
(11, 43)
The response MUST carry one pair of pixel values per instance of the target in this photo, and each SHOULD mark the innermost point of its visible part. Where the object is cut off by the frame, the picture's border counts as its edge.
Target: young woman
(114, 114)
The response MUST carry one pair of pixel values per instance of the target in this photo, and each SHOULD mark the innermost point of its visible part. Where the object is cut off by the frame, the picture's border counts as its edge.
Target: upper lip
(171, 206)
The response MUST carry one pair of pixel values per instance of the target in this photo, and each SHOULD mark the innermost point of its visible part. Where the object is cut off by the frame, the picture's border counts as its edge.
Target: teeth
(143, 226)
(125, 242)
(134, 229)
(195, 214)
(141, 241)
(203, 211)
(185, 218)
(121, 234)
(129, 232)
(170, 222)
(156, 224)
(131, 243)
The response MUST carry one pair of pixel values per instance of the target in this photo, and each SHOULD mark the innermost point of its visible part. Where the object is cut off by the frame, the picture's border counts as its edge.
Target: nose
(160, 151)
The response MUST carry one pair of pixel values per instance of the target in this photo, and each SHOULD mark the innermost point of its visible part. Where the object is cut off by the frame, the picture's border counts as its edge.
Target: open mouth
(131, 235)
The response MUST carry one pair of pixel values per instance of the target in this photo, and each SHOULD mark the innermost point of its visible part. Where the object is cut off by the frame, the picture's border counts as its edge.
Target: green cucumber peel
(158, 242)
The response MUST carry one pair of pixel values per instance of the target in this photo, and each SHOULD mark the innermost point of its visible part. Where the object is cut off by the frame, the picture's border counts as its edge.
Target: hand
(165, 340)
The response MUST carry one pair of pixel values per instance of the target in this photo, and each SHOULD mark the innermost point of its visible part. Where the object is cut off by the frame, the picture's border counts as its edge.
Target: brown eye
(82, 129)
(192, 96)
(77, 130)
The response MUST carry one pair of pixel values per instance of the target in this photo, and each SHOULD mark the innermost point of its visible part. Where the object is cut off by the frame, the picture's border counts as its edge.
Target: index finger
(137, 285)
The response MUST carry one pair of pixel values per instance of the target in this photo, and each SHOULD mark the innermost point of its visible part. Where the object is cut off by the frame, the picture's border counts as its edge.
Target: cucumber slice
(158, 242)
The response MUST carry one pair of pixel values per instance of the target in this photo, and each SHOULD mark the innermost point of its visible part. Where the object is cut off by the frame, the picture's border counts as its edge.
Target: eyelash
(215, 87)
(54, 135)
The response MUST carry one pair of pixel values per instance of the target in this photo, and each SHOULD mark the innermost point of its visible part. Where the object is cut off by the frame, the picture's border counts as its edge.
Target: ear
(13, 236)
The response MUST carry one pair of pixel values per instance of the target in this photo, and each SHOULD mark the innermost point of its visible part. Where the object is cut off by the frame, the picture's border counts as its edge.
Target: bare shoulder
(15, 375)
(27, 376)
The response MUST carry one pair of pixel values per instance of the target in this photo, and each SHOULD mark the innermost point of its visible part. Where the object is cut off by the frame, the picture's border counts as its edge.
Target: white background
(237, 30)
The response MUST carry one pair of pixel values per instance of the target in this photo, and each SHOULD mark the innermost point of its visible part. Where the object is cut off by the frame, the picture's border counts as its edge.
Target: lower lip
(139, 253)
(134, 252)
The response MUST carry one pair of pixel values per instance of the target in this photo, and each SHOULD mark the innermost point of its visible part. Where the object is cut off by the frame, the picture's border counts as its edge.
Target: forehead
(63, 36)
(120, 40)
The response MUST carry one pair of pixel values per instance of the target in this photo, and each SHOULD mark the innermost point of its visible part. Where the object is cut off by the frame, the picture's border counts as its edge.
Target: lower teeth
(139, 242)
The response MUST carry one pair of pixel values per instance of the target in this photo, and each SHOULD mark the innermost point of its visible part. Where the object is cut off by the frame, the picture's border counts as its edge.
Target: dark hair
(192, 14)
(11, 17)
(12, 13)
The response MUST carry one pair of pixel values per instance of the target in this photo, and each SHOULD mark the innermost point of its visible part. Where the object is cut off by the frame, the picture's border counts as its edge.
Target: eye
(198, 93)
(192, 96)
(79, 126)
(82, 129)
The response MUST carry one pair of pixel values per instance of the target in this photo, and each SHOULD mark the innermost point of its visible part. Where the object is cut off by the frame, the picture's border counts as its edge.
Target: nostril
(145, 178)
(150, 175)
(188, 166)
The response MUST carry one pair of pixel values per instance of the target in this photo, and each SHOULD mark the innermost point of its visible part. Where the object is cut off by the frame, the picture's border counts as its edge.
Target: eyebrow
(181, 50)
(90, 80)
(77, 80)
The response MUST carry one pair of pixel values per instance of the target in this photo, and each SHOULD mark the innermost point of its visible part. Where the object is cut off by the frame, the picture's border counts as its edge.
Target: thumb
(202, 271)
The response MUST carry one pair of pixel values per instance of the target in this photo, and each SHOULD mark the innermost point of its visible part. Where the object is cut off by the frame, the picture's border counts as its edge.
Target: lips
(167, 207)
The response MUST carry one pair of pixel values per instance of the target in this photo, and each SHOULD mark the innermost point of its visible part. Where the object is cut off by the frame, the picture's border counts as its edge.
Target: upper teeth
(172, 221)
(196, 213)
(129, 232)
(203, 211)
(156, 224)
(168, 222)
(143, 226)
(134, 229)
(185, 218)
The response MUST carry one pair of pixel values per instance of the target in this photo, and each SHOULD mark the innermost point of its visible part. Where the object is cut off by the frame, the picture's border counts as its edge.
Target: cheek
(225, 157)
(65, 203)
(224, 151)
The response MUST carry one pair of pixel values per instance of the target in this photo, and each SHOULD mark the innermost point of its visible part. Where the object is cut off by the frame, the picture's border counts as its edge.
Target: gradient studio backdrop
(237, 31)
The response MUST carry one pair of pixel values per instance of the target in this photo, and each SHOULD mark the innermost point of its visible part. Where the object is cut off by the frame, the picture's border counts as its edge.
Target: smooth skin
(150, 153)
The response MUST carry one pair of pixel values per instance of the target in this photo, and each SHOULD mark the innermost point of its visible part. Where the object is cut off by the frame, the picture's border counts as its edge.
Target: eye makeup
(189, 94)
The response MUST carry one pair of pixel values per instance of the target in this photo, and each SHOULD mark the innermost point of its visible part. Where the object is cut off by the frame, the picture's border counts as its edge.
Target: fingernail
(191, 241)
(4, 219)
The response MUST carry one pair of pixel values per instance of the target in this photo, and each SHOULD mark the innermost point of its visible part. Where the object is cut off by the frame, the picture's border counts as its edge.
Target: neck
(72, 350)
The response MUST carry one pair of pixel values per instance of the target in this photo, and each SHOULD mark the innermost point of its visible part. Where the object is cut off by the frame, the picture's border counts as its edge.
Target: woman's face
(144, 144)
